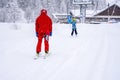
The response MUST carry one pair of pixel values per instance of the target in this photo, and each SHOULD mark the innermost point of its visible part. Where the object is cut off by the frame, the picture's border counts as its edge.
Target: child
(74, 26)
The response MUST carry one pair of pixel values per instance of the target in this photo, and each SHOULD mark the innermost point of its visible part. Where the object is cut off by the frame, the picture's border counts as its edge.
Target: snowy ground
(92, 55)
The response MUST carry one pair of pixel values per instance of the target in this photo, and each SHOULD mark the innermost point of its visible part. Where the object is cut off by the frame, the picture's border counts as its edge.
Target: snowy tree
(3, 15)
(23, 3)
(37, 8)
(99, 4)
(29, 15)
(50, 6)
(63, 7)
(70, 5)
(3, 3)
(13, 12)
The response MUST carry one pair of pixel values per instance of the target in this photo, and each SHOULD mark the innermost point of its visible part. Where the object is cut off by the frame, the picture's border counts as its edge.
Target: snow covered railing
(62, 18)
(115, 17)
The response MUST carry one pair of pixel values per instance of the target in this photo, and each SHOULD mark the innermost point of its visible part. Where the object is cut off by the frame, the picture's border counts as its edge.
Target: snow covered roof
(110, 5)
(60, 15)
(89, 13)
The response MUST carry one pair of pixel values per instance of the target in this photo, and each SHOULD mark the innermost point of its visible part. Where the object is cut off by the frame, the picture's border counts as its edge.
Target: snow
(92, 55)
(110, 1)
(89, 13)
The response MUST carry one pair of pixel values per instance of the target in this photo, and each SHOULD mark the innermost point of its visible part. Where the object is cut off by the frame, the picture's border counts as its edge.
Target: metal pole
(82, 13)
(108, 13)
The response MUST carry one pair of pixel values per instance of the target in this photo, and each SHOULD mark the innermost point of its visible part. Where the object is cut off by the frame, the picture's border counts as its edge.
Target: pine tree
(13, 12)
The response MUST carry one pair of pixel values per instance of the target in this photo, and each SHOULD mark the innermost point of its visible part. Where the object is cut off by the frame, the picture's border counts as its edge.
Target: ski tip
(35, 58)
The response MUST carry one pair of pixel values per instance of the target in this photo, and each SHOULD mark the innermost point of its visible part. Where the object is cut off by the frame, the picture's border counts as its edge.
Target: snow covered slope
(92, 55)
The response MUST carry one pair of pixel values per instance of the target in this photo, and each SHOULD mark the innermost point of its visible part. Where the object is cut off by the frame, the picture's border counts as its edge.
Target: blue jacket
(69, 19)
(73, 24)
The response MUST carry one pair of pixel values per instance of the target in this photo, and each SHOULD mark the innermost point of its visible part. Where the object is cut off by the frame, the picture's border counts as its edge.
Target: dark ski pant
(74, 30)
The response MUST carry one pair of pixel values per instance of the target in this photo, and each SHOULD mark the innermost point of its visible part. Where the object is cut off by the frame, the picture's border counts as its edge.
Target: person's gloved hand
(36, 34)
(50, 33)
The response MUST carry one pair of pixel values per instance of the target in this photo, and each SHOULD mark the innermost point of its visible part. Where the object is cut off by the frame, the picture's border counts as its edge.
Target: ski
(42, 56)
(35, 58)
(47, 55)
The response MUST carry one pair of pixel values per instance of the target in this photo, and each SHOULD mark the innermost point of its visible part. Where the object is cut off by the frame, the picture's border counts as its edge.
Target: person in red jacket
(43, 27)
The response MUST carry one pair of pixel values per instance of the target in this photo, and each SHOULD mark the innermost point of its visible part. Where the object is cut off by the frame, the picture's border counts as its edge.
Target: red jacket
(43, 24)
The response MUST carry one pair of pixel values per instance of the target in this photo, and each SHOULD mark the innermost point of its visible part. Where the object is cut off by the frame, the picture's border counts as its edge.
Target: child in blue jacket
(74, 29)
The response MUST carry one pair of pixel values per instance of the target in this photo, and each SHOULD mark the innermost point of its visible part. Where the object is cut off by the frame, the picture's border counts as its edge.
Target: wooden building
(112, 12)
